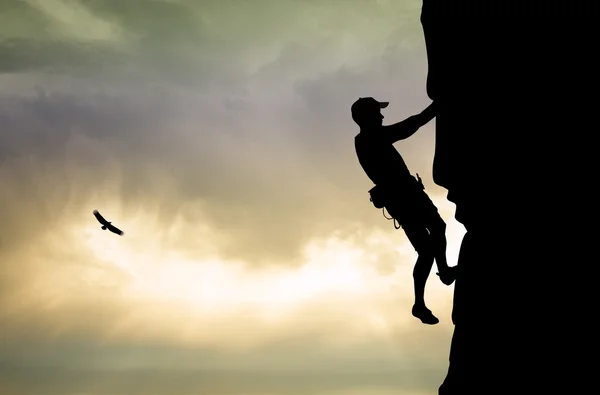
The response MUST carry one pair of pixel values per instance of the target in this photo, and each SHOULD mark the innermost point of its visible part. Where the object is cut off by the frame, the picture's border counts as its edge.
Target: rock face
(510, 81)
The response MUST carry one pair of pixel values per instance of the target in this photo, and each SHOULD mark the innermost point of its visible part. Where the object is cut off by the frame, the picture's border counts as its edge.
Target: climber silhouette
(401, 194)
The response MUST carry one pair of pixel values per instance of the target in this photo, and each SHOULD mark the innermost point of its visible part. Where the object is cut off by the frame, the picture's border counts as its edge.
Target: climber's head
(366, 112)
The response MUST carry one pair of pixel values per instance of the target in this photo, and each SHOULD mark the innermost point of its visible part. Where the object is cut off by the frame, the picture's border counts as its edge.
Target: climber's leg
(420, 239)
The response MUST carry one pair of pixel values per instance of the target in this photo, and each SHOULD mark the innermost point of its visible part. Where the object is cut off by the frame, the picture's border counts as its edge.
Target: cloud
(186, 201)
(114, 40)
(102, 302)
(217, 136)
(74, 20)
(205, 156)
(202, 45)
(164, 382)
(18, 19)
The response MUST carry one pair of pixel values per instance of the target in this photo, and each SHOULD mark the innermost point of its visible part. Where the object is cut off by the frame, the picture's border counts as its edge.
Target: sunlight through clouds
(210, 285)
(216, 134)
(170, 296)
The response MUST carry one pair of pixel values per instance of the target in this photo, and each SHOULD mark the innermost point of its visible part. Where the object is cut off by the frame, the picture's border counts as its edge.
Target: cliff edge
(512, 81)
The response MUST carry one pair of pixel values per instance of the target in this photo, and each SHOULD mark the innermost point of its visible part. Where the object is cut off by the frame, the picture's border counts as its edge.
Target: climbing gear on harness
(396, 223)
(378, 199)
(380, 195)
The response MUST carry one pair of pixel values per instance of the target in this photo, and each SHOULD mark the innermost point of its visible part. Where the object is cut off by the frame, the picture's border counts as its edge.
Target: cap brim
(383, 104)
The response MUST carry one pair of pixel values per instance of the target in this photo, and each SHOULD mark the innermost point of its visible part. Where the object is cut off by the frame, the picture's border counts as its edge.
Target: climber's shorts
(414, 209)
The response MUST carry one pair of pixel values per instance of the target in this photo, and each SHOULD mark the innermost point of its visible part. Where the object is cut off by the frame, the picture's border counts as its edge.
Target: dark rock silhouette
(107, 225)
(513, 121)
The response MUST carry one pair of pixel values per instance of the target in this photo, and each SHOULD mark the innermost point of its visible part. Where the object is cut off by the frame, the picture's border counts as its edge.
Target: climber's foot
(424, 314)
(448, 275)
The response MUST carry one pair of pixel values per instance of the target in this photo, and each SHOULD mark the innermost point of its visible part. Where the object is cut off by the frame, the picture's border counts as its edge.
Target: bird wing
(114, 229)
(100, 218)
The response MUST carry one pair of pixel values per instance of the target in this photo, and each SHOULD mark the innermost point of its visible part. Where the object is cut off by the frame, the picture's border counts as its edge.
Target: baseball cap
(366, 106)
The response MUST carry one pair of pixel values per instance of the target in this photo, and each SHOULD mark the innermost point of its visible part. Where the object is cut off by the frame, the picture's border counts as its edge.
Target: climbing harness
(379, 197)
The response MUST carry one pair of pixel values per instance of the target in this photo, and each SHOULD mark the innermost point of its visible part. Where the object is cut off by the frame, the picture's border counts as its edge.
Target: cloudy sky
(217, 135)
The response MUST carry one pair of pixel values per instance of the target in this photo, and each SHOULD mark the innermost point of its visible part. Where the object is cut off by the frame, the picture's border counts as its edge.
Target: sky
(217, 134)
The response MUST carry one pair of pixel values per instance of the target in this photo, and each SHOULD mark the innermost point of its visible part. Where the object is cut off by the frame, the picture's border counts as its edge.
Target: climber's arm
(408, 127)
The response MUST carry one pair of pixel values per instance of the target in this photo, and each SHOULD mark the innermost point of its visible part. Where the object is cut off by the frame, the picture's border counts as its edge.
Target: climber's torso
(380, 160)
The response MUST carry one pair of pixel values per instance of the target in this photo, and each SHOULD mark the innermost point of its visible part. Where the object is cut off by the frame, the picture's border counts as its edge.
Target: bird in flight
(107, 225)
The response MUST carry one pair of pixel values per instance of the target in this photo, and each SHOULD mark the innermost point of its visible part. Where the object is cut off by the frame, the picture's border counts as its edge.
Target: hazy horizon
(217, 136)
